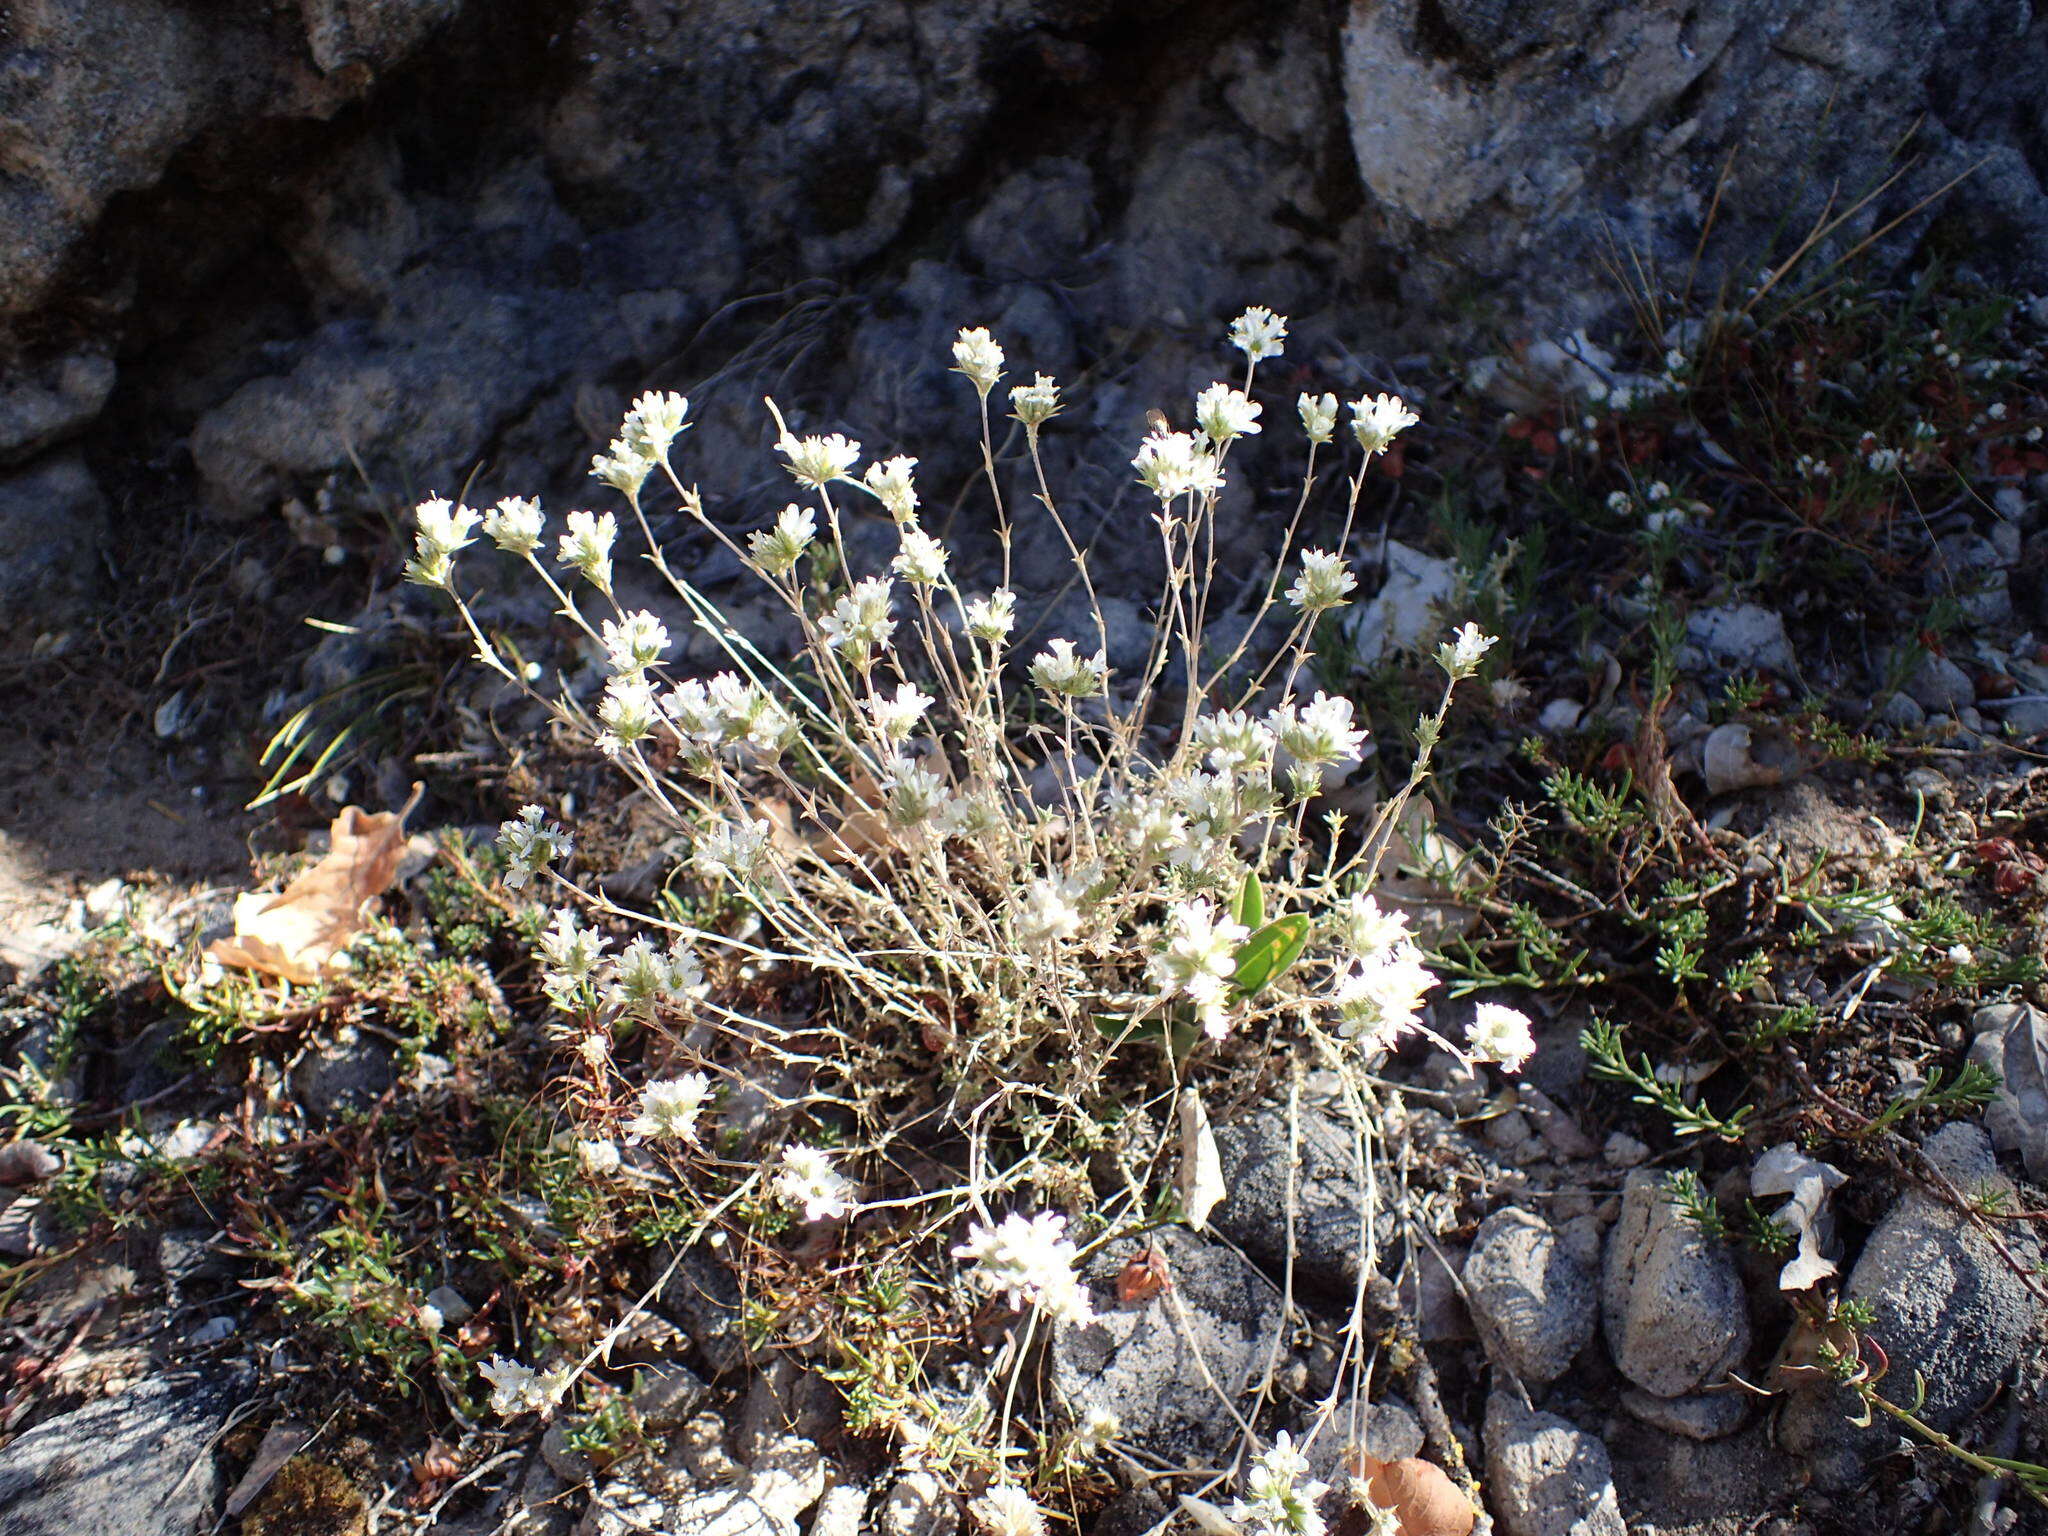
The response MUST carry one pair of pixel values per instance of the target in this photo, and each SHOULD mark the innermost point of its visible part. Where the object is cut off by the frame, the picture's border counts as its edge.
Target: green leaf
(1264, 957)
(1251, 901)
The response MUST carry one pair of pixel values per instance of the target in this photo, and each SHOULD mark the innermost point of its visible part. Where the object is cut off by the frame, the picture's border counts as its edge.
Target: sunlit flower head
(1376, 420)
(1259, 333)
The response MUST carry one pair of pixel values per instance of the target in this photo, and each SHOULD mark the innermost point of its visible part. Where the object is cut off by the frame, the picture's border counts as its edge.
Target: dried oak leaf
(1421, 1496)
(297, 933)
(1144, 1276)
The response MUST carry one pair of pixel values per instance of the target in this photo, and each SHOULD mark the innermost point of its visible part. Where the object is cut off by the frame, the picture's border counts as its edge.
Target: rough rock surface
(1672, 1299)
(1160, 1364)
(139, 1463)
(364, 247)
(1946, 1303)
(1545, 1476)
(1277, 1175)
(52, 518)
(1536, 1305)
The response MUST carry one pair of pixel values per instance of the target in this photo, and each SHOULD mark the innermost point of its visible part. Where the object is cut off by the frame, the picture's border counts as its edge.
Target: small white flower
(1096, 1429)
(731, 850)
(1277, 1501)
(514, 525)
(1460, 656)
(1223, 413)
(912, 796)
(587, 547)
(859, 623)
(976, 354)
(1007, 1510)
(1368, 928)
(1500, 1034)
(624, 466)
(1325, 582)
(896, 718)
(634, 643)
(1380, 998)
(1060, 671)
(1030, 1261)
(921, 559)
(1176, 464)
(430, 1318)
(628, 713)
(654, 422)
(598, 1157)
(1037, 403)
(1258, 333)
(1319, 734)
(806, 1179)
(818, 461)
(643, 977)
(1199, 959)
(517, 1389)
(444, 528)
(1234, 740)
(1619, 502)
(1318, 416)
(889, 481)
(776, 550)
(992, 618)
(530, 843)
(1049, 911)
(669, 1108)
(1376, 420)
(568, 950)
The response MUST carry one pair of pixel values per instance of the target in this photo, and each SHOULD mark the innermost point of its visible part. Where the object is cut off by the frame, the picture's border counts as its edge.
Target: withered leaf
(297, 932)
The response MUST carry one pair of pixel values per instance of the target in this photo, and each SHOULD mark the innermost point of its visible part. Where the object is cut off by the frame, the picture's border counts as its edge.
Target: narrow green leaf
(1251, 901)
(1264, 957)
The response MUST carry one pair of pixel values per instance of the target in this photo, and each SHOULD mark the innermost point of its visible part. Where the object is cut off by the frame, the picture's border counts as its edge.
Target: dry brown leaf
(296, 933)
(1422, 1497)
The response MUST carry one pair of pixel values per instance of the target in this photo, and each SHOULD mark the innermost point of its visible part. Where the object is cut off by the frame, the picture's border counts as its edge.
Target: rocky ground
(1757, 779)
(1789, 842)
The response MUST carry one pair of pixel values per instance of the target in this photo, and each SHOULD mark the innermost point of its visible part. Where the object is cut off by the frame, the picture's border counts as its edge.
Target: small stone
(1535, 1304)
(665, 1396)
(1948, 1310)
(449, 1302)
(840, 1512)
(1154, 1370)
(563, 1459)
(1547, 1477)
(1305, 1179)
(1624, 1151)
(1939, 686)
(1699, 1416)
(918, 1504)
(788, 1477)
(704, 1297)
(1742, 635)
(1902, 712)
(1676, 1314)
(1555, 1126)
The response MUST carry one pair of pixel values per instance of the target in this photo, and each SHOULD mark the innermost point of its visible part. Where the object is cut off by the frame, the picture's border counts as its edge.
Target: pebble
(1535, 1303)
(1624, 1151)
(1672, 1299)
(1547, 1477)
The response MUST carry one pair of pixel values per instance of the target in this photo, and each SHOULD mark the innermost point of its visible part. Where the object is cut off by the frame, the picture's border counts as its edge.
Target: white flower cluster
(1029, 1260)
(725, 714)
(1280, 1499)
(530, 843)
(807, 1180)
(643, 442)
(443, 528)
(669, 1108)
(1199, 960)
(517, 1389)
(579, 978)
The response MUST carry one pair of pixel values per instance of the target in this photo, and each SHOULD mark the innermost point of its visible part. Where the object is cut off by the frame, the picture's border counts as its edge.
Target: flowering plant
(1007, 877)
